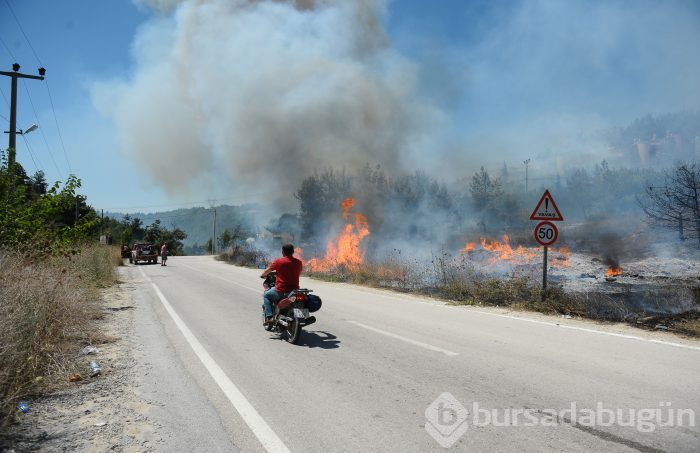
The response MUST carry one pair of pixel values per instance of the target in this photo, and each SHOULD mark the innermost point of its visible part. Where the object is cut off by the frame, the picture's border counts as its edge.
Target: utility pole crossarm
(19, 75)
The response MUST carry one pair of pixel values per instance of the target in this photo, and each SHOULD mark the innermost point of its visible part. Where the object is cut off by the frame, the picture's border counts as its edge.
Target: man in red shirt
(288, 271)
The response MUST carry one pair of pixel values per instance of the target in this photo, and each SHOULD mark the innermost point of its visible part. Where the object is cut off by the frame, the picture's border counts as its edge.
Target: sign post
(544, 272)
(546, 233)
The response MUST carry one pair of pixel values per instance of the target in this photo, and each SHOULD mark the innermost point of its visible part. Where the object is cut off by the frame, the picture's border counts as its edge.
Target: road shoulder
(144, 400)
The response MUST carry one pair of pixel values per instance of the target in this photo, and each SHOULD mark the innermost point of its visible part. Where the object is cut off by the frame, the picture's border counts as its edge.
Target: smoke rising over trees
(278, 87)
(418, 212)
(222, 89)
(411, 208)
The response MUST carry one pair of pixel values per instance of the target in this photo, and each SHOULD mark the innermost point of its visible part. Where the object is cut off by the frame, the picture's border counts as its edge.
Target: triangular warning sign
(546, 209)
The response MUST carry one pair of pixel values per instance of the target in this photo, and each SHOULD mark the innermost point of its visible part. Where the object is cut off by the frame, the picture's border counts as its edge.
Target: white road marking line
(252, 418)
(600, 332)
(407, 340)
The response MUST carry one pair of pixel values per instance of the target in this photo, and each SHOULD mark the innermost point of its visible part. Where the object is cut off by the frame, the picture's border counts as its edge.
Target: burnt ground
(656, 289)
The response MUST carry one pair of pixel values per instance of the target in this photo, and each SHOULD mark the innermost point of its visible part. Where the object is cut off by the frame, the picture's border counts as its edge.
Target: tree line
(405, 206)
(56, 218)
(43, 218)
(131, 230)
(421, 209)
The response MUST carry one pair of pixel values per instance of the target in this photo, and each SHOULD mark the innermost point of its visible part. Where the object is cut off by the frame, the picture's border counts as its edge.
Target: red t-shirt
(288, 271)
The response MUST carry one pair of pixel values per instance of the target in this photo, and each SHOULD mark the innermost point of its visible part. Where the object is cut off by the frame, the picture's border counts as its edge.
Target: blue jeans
(269, 297)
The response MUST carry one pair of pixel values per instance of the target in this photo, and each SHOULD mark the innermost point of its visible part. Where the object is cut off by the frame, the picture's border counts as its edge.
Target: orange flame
(345, 251)
(613, 271)
(503, 251)
(469, 247)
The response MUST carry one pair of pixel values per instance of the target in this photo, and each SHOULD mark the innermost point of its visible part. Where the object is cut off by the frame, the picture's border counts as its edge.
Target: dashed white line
(407, 340)
(600, 332)
(417, 300)
(267, 437)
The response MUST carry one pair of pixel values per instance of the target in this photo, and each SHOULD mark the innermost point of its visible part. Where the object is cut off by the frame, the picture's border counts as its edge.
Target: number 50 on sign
(546, 233)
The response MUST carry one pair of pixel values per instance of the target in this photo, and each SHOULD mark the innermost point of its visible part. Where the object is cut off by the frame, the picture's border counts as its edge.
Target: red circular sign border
(554, 227)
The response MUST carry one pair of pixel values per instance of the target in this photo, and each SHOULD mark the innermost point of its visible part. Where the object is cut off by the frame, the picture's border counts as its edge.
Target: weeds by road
(49, 305)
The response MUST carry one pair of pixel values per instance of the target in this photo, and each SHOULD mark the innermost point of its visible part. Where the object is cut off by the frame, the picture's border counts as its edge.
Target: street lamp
(31, 128)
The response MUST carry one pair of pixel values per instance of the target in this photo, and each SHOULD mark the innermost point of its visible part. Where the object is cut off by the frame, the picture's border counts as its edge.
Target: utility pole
(13, 107)
(526, 162)
(213, 234)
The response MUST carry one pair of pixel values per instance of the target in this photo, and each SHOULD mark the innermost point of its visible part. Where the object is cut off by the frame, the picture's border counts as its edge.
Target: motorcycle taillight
(299, 297)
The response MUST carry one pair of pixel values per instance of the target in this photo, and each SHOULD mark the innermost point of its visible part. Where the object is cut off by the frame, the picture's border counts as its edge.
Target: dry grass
(242, 256)
(691, 327)
(46, 314)
(459, 282)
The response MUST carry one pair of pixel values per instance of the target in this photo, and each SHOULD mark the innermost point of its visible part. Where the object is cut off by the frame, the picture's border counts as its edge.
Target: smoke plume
(264, 92)
(260, 93)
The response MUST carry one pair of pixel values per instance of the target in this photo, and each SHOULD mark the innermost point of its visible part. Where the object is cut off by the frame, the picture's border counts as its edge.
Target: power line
(23, 33)
(7, 103)
(8, 49)
(53, 109)
(36, 117)
(31, 154)
(60, 136)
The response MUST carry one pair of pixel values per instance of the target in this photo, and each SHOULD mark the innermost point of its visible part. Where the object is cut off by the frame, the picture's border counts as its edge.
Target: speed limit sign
(546, 233)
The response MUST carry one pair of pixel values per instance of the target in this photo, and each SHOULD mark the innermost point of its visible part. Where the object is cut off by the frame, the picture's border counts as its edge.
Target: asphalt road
(367, 375)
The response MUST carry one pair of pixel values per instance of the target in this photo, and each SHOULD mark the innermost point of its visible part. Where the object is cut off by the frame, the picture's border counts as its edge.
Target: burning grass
(345, 251)
(613, 271)
(48, 307)
(497, 252)
(464, 282)
(493, 272)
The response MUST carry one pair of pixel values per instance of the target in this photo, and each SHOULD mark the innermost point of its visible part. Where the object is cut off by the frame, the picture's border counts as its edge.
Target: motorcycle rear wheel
(293, 331)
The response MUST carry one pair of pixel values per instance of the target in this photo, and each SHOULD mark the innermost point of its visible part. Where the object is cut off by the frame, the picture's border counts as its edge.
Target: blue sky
(78, 42)
(467, 83)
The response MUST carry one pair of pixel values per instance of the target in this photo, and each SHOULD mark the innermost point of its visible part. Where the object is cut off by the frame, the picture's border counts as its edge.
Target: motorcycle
(291, 313)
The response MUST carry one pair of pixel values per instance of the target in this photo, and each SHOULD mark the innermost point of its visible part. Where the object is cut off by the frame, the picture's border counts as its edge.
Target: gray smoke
(262, 93)
(245, 94)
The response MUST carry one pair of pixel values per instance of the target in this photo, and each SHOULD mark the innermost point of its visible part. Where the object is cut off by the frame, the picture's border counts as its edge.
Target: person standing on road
(288, 271)
(163, 254)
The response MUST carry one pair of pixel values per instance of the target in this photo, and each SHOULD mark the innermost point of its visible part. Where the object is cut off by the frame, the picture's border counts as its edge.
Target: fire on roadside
(613, 271)
(469, 247)
(345, 250)
(502, 251)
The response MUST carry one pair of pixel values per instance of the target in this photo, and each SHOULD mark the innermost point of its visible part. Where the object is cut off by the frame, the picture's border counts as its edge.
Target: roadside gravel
(104, 413)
